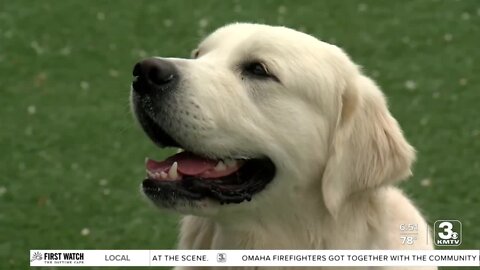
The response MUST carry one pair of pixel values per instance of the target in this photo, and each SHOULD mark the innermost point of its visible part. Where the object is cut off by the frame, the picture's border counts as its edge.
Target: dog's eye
(258, 69)
(195, 53)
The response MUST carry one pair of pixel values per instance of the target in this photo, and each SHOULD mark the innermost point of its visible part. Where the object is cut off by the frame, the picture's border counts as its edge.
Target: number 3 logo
(447, 230)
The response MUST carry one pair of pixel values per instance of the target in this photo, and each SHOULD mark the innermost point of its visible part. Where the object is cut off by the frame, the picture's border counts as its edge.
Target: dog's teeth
(220, 167)
(230, 163)
(179, 150)
(163, 175)
(150, 174)
(172, 173)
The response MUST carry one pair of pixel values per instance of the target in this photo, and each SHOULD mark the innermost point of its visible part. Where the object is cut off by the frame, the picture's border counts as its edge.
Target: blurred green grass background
(71, 157)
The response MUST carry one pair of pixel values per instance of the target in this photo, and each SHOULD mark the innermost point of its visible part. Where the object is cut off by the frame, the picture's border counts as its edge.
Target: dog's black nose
(153, 73)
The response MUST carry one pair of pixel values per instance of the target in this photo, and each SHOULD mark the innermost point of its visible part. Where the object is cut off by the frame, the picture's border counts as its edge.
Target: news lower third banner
(254, 258)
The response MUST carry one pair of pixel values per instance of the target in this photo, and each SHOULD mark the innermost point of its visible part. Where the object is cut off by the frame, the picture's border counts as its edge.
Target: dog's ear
(368, 148)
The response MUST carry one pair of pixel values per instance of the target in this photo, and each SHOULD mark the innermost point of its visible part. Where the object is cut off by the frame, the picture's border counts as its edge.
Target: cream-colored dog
(286, 145)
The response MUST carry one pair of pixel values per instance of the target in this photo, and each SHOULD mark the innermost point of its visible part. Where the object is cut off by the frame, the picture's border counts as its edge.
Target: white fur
(326, 126)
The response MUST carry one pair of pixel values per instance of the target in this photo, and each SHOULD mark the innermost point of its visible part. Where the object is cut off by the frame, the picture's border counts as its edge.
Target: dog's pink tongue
(188, 164)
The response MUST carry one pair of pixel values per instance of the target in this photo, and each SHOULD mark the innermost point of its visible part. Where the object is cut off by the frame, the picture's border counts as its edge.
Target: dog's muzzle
(189, 175)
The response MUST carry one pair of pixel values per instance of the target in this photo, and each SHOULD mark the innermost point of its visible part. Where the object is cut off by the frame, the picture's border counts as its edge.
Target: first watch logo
(58, 258)
(36, 256)
(447, 232)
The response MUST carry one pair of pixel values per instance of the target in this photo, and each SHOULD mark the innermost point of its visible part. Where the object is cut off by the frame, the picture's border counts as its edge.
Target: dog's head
(266, 117)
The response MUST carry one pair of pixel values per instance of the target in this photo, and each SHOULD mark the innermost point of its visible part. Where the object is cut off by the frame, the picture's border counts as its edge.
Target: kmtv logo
(447, 232)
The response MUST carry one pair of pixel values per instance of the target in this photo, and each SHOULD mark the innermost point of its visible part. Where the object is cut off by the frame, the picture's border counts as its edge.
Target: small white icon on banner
(221, 257)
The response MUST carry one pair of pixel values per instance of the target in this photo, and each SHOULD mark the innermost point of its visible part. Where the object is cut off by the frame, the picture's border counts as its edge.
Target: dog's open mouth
(190, 176)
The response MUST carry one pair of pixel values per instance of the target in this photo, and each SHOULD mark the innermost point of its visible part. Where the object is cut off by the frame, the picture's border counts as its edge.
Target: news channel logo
(221, 257)
(447, 233)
